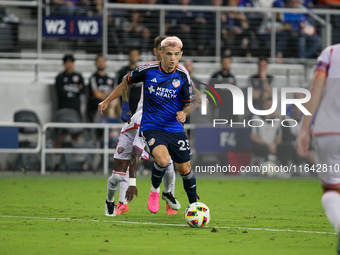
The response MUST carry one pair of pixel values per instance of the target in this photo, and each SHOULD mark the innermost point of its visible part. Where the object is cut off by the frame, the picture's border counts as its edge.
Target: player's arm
(126, 113)
(59, 85)
(114, 94)
(188, 97)
(316, 90)
(182, 115)
(198, 96)
(134, 161)
(81, 84)
(135, 76)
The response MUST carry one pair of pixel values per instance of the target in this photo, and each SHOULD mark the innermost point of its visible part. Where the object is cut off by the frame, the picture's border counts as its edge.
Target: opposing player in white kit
(325, 94)
(128, 151)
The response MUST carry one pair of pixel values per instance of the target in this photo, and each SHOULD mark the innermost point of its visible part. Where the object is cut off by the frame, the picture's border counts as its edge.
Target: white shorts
(327, 159)
(129, 138)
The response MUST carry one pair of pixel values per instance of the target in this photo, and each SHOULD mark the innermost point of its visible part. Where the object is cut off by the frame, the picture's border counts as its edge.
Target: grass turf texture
(82, 228)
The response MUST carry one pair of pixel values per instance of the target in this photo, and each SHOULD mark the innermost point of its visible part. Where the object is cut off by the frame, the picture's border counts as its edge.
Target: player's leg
(121, 162)
(162, 158)
(160, 154)
(123, 187)
(157, 144)
(169, 178)
(328, 154)
(331, 204)
(169, 185)
(122, 206)
(113, 182)
(189, 180)
(180, 153)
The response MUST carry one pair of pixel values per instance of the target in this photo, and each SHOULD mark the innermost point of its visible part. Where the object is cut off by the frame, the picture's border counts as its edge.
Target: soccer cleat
(121, 208)
(169, 211)
(171, 200)
(153, 202)
(110, 209)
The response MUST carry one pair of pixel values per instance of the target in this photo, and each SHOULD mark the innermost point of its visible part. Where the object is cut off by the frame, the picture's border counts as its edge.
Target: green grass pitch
(65, 215)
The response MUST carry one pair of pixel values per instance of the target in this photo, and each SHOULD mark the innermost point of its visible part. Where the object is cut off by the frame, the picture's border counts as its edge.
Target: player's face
(170, 57)
(226, 63)
(157, 53)
(263, 65)
(69, 66)
(134, 56)
(101, 63)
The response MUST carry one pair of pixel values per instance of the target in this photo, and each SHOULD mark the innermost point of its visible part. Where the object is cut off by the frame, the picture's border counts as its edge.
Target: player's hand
(131, 191)
(102, 107)
(198, 197)
(181, 117)
(126, 113)
(303, 141)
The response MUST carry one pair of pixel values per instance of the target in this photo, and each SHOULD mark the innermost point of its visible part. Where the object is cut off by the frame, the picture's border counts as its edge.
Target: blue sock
(189, 183)
(157, 175)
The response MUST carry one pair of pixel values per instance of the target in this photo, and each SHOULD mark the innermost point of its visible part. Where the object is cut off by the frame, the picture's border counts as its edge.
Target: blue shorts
(176, 143)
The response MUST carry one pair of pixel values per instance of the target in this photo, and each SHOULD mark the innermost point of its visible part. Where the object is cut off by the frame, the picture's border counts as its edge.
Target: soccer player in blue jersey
(127, 154)
(168, 92)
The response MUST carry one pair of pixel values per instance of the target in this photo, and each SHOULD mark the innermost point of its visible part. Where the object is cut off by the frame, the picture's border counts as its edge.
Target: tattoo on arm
(126, 89)
(198, 96)
(187, 109)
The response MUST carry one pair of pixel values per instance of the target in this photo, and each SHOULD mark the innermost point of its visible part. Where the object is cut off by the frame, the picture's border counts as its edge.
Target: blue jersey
(164, 95)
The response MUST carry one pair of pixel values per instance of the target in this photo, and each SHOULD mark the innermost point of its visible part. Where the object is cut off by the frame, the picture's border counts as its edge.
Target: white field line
(168, 224)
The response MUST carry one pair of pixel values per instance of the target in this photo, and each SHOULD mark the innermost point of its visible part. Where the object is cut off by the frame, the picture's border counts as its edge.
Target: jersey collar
(161, 69)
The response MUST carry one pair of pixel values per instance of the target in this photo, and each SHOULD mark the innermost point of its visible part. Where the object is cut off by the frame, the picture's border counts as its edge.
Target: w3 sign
(72, 27)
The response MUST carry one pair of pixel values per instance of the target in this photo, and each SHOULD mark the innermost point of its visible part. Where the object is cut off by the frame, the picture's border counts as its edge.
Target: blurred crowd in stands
(244, 34)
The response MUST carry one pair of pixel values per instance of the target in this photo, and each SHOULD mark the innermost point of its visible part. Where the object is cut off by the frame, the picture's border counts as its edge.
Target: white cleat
(110, 209)
(171, 200)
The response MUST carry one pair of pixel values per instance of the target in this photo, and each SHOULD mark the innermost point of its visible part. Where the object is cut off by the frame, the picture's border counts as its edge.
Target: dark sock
(189, 183)
(157, 175)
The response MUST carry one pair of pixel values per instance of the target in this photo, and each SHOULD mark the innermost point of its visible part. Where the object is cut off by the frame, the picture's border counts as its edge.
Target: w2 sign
(72, 27)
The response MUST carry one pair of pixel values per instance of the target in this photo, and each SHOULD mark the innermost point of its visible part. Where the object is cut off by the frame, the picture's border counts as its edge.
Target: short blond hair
(172, 41)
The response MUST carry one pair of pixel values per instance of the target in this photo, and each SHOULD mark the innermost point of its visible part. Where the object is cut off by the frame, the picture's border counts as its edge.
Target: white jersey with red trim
(134, 122)
(129, 138)
(327, 120)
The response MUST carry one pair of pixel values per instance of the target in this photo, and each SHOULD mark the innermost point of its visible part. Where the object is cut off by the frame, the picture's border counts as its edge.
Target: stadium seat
(70, 116)
(27, 161)
(79, 139)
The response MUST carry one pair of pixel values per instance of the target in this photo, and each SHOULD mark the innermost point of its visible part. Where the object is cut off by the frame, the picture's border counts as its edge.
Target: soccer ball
(197, 215)
(268, 168)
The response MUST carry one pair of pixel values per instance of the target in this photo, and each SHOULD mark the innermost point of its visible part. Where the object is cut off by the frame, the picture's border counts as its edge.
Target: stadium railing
(23, 125)
(105, 150)
(35, 46)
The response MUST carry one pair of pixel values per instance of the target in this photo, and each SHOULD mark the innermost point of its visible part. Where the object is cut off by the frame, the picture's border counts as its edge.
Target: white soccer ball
(268, 168)
(197, 215)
